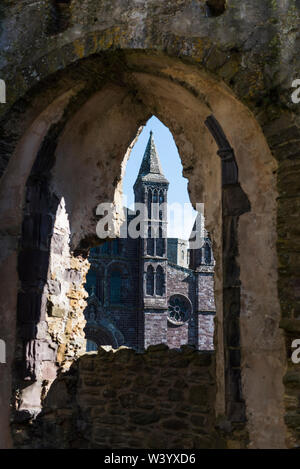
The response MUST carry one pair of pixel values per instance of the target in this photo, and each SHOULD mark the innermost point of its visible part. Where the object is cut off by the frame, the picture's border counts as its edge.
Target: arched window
(155, 206)
(149, 203)
(160, 281)
(160, 243)
(115, 286)
(161, 197)
(150, 281)
(182, 255)
(150, 243)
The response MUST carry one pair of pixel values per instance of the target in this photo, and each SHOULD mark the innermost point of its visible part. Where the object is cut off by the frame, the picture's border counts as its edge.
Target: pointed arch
(149, 203)
(161, 196)
(160, 281)
(150, 281)
(150, 243)
(160, 243)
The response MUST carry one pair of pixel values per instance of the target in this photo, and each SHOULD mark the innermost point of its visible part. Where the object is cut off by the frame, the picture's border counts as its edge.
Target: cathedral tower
(150, 189)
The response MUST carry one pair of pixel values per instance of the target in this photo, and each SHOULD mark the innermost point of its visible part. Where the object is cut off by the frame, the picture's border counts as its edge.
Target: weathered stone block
(144, 418)
(55, 311)
(175, 424)
(175, 395)
(198, 394)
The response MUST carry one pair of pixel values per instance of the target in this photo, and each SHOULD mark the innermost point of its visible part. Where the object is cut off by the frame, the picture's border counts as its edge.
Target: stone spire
(150, 170)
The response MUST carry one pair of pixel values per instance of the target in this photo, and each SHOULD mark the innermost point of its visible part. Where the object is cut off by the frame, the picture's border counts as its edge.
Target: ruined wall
(181, 64)
(158, 399)
(51, 301)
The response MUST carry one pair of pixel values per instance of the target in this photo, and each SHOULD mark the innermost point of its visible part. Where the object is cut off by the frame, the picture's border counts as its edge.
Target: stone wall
(155, 327)
(283, 134)
(206, 327)
(101, 79)
(51, 336)
(205, 293)
(158, 399)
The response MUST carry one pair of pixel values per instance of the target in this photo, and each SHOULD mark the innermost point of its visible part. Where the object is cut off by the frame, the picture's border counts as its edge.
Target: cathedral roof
(151, 170)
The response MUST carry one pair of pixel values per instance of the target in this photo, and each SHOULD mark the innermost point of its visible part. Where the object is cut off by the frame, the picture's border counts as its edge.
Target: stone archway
(89, 137)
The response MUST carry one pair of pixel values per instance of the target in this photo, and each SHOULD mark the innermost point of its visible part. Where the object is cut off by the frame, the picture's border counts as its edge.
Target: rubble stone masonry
(162, 398)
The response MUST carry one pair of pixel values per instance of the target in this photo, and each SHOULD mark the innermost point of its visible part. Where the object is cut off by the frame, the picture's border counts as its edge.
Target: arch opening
(153, 190)
(79, 148)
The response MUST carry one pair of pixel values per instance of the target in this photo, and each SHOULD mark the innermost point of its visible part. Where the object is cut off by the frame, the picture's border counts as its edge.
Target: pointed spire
(151, 169)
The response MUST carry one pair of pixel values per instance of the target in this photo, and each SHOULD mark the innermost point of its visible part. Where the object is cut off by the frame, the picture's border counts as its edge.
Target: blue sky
(180, 224)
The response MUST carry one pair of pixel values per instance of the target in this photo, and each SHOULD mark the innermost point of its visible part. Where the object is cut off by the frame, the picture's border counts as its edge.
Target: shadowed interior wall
(103, 403)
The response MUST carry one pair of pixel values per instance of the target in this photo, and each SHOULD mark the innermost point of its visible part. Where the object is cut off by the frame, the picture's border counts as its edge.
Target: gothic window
(160, 281)
(179, 309)
(161, 197)
(149, 203)
(150, 281)
(150, 243)
(160, 243)
(182, 255)
(155, 206)
(115, 286)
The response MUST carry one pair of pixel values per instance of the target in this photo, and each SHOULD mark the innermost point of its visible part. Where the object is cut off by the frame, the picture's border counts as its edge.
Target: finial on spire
(151, 133)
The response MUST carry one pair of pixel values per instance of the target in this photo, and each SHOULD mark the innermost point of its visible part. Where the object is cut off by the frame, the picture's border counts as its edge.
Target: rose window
(179, 309)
